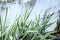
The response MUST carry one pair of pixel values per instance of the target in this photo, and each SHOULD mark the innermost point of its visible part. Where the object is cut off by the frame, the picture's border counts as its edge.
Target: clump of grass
(19, 29)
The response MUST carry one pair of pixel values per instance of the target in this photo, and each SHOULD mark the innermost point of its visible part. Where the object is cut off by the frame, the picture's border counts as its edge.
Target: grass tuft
(34, 30)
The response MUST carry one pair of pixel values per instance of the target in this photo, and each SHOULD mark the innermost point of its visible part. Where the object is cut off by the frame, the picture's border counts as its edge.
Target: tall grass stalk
(19, 29)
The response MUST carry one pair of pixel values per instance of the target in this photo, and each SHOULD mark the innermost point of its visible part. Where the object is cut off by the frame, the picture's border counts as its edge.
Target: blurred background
(19, 7)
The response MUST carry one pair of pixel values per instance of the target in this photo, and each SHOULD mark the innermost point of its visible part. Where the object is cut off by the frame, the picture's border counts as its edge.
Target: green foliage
(21, 29)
